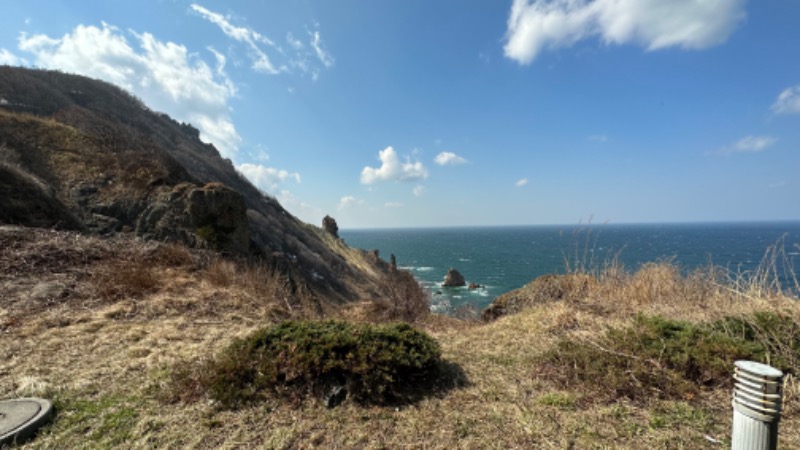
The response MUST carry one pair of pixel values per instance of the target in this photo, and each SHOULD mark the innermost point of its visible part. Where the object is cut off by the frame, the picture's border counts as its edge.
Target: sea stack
(454, 279)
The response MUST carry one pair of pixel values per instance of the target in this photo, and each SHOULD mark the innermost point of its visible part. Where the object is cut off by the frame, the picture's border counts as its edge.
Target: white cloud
(788, 101)
(392, 169)
(295, 43)
(537, 25)
(9, 59)
(419, 190)
(296, 58)
(267, 178)
(304, 211)
(599, 138)
(521, 182)
(316, 43)
(393, 205)
(261, 61)
(749, 144)
(163, 74)
(449, 158)
(348, 201)
(262, 153)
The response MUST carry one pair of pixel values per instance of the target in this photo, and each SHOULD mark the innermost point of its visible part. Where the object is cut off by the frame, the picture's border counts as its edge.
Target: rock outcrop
(454, 279)
(26, 200)
(329, 225)
(213, 216)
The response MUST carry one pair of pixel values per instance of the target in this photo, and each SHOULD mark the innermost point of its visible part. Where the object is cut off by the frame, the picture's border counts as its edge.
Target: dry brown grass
(105, 362)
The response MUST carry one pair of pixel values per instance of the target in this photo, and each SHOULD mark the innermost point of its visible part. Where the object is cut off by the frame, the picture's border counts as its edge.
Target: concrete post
(757, 395)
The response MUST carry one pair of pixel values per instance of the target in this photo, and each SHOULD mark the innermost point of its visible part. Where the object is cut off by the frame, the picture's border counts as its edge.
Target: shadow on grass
(446, 377)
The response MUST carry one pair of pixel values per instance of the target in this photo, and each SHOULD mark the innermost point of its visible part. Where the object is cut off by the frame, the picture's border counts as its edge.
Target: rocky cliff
(82, 154)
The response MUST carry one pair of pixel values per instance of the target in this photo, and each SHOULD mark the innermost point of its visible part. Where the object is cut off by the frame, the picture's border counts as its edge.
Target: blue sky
(440, 113)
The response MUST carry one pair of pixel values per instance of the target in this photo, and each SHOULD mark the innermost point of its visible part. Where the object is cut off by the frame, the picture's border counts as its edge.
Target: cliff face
(81, 154)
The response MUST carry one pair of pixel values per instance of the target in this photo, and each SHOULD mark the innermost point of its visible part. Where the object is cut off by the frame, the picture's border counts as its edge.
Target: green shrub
(778, 337)
(668, 359)
(375, 364)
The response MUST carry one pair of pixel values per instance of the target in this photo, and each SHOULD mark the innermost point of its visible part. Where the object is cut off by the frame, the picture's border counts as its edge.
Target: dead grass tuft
(402, 298)
(133, 279)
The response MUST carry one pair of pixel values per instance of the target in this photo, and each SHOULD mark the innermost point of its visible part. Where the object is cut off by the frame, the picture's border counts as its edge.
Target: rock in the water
(473, 286)
(329, 225)
(454, 279)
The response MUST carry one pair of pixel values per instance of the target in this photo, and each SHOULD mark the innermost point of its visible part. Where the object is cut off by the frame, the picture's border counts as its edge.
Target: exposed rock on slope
(28, 200)
(329, 225)
(90, 156)
(213, 216)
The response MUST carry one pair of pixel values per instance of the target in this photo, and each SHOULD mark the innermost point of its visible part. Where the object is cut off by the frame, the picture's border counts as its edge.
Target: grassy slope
(119, 314)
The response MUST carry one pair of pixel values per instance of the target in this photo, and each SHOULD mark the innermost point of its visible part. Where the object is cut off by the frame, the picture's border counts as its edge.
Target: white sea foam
(441, 305)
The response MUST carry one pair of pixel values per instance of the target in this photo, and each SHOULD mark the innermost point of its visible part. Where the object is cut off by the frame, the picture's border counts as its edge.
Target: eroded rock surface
(212, 216)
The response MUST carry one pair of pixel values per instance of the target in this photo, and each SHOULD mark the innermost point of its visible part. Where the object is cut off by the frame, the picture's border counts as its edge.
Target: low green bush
(670, 359)
(777, 335)
(375, 364)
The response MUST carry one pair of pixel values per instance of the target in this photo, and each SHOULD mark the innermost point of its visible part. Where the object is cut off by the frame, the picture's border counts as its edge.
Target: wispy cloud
(392, 169)
(269, 57)
(788, 101)
(267, 178)
(294, 43)
(165, 75)
(349, 201)
(261, 61)
(749, 144)
(537, 25)
(393, 205)
(521, 182)
(419, 190)
(316, 43)
(449, 159)
(599, 138)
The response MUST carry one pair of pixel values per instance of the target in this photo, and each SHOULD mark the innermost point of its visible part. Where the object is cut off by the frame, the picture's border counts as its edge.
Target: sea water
(501, 259)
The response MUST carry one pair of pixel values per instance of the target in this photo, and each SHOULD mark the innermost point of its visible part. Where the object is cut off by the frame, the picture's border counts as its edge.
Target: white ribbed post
(757, 393)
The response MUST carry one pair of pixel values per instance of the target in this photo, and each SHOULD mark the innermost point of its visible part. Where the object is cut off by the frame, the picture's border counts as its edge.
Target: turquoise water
(504, 258)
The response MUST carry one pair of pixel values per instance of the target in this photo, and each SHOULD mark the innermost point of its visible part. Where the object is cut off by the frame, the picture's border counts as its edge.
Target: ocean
(501, 259)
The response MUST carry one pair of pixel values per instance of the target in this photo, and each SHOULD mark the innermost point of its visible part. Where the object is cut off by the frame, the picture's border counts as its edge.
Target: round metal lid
(21, 417)
(759, 369)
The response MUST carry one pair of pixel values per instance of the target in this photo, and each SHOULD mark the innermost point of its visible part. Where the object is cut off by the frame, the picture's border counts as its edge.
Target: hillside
(595, 365)
(81, 154)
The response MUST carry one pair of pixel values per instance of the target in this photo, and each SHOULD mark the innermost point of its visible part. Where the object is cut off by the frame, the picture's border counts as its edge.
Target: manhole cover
(21, 417)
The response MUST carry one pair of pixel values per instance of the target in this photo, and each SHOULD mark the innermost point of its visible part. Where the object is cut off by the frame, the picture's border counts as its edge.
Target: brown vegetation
(107, 359)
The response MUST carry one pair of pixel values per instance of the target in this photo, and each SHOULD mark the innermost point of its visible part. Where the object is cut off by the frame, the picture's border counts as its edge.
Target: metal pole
(757, 395)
